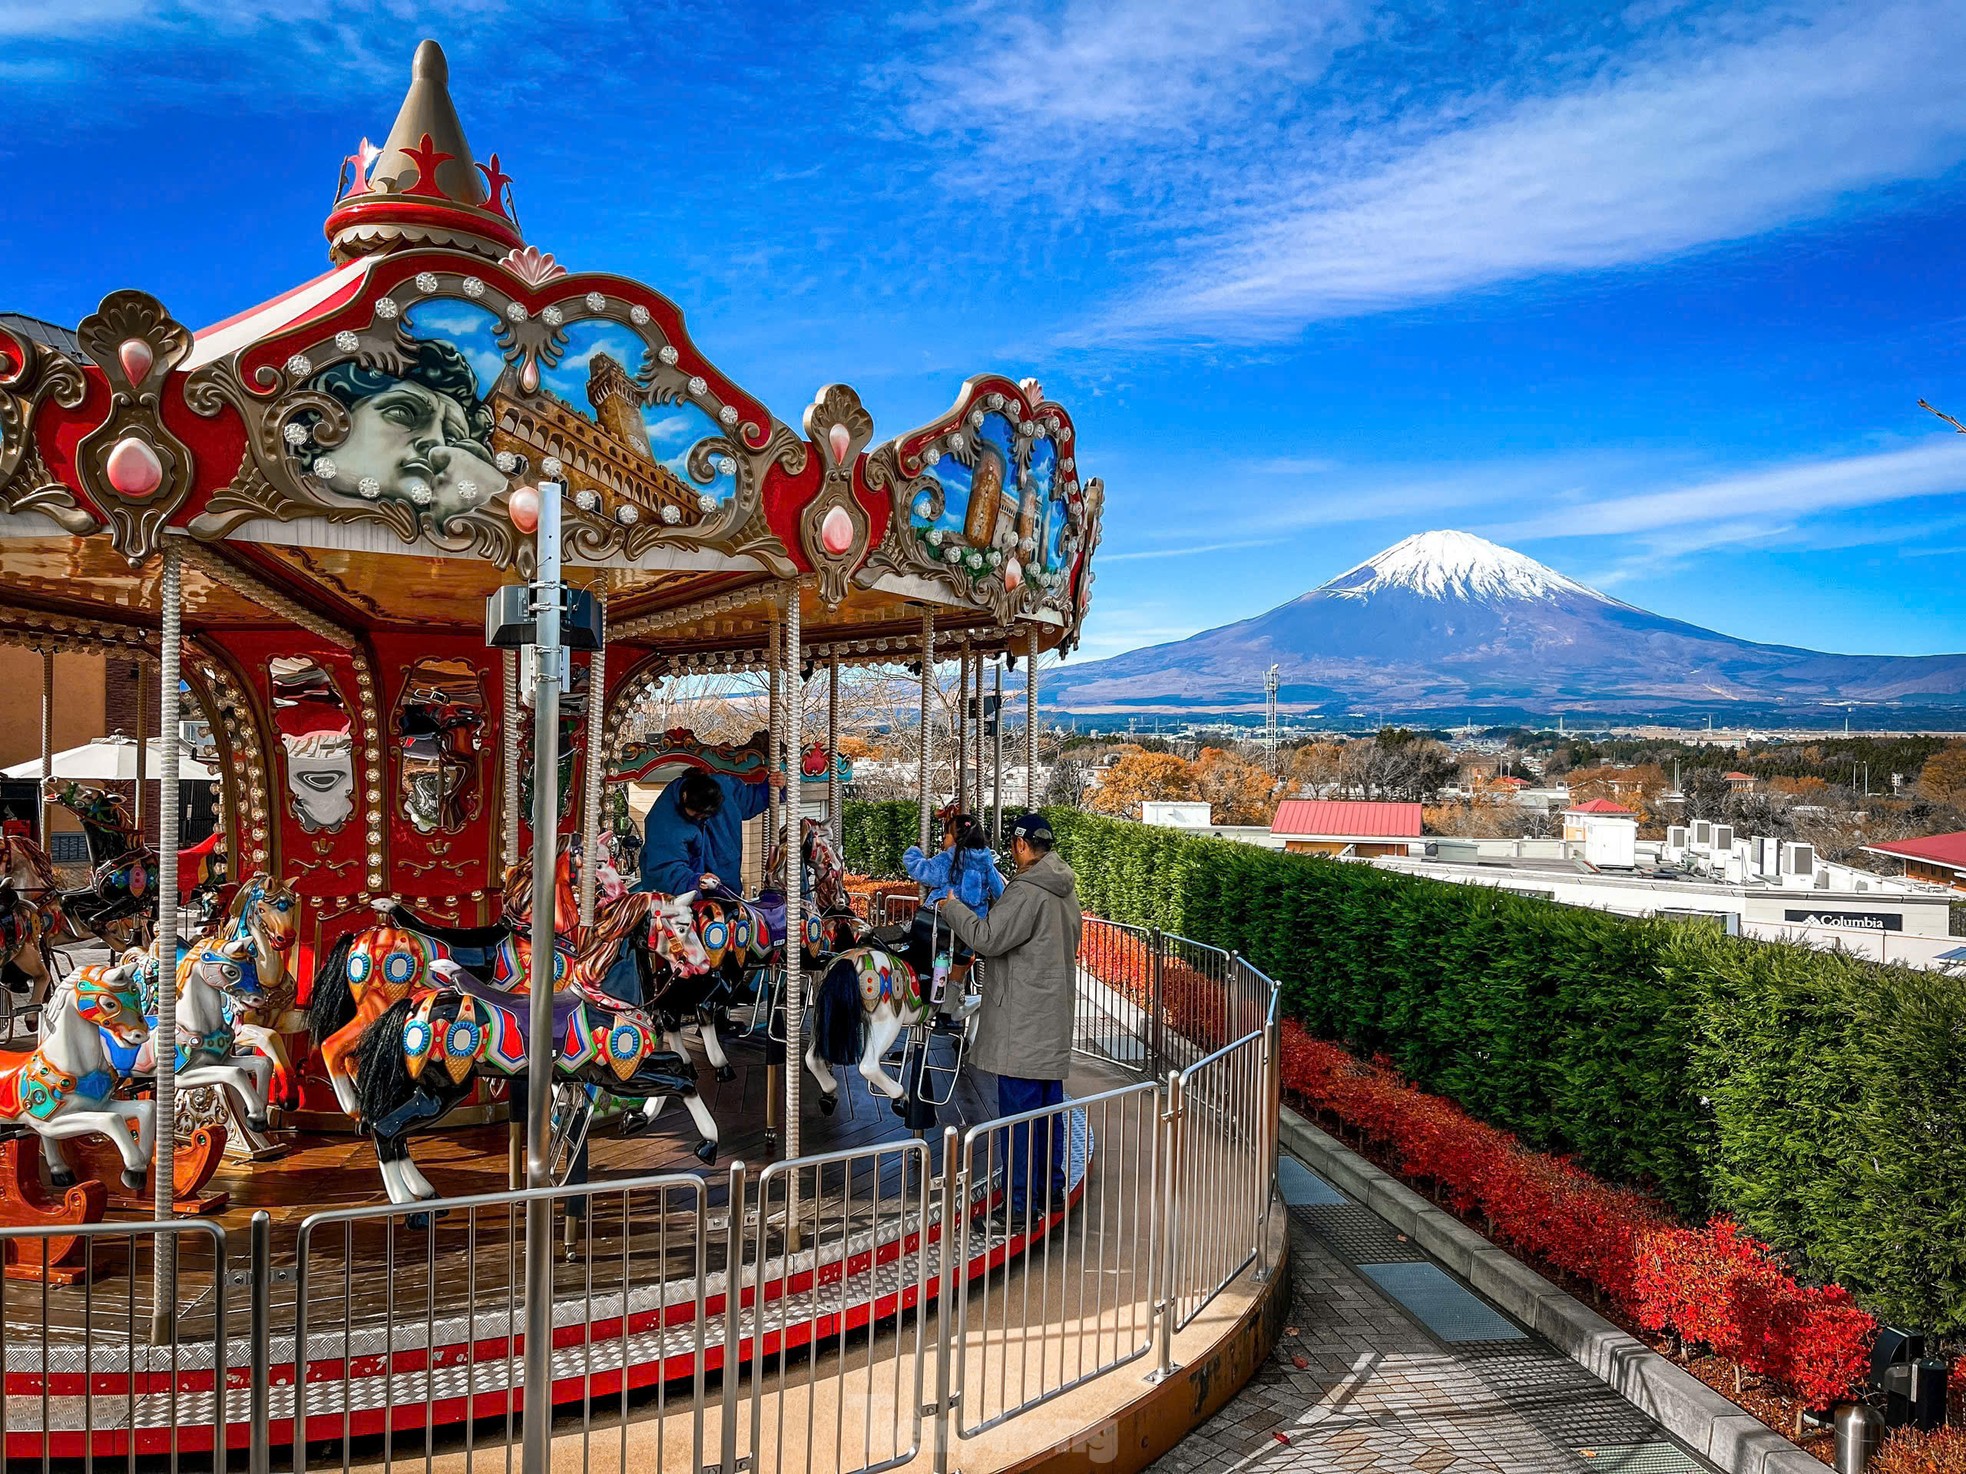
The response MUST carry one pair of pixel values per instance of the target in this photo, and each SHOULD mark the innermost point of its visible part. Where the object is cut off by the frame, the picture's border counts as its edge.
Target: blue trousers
(1036, 1155)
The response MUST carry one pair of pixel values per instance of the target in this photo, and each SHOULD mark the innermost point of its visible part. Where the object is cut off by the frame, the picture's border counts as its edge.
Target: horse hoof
(417, 1222)
(259, 1124)
(634, 1124)
(827, 1105)
(726, 1073)
(133, 1180)
(899, 1107)
(62, 1179)
(706, 1152)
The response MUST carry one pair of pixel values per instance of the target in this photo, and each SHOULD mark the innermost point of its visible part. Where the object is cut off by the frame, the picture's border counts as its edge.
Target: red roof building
(1600, 806)
(1937, 858)
(1316, 826)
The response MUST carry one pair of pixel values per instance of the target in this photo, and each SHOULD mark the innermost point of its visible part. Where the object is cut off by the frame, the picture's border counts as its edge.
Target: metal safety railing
(849, 1311)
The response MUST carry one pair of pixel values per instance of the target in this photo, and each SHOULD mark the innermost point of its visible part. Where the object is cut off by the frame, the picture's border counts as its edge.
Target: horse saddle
(455, 938)
(770, 909)
(519, 1005)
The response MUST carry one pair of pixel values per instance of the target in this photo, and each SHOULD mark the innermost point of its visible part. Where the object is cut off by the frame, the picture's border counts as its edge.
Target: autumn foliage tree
(1943, 778)
(1141, 777)
(1238, 791)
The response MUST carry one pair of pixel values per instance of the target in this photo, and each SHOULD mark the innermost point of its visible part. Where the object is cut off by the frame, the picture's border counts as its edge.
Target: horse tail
(839, 1022)
(331, 1002)
(382, 1071)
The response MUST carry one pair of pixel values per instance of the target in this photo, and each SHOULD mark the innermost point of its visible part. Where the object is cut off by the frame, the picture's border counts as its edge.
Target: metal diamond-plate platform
(1442, 1304)
(1642, 1458)
(1357, 1235)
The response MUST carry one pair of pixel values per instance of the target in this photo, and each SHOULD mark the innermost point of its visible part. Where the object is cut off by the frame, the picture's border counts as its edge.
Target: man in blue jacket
(694, 838)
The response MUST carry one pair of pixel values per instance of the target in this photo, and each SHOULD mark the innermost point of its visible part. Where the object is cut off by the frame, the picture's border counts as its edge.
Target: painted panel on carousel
(988, 501)
(317, 740)
(458, 423)
(440, 731)
(451, 387)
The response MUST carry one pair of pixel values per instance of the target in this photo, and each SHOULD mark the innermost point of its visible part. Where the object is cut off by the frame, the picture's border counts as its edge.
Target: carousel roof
(345, 454)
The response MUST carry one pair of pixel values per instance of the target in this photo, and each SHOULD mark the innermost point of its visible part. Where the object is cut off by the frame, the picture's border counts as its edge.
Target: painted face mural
(440, 728)
(318, 738)
(422, 436)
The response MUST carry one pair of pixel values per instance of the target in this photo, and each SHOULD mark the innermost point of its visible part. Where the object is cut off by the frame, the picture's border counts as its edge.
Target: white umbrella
(114, 760)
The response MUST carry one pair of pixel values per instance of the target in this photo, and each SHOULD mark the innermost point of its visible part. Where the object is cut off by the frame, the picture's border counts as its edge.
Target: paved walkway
(1389, 1363)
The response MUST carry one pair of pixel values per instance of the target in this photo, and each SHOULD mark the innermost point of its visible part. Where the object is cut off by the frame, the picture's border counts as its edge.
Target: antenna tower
(1270, 716)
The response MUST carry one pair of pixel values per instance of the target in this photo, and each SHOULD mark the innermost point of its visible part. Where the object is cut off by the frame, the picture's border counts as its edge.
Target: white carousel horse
(865, 999)
(216, 978)
(66, 1087)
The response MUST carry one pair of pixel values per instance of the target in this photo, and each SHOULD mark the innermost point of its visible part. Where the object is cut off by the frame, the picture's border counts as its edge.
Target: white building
(1773, 889)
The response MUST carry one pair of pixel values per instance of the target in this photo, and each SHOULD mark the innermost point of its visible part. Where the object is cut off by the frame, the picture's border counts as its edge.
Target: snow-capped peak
(1455, 565)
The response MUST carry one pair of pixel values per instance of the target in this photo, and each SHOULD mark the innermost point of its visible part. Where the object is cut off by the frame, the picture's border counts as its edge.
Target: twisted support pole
(923, 744)
(596, 762)
(47, 740)
(508, 742)
(794, 881)
(1031, 720)
(835, 818)
(170, 654)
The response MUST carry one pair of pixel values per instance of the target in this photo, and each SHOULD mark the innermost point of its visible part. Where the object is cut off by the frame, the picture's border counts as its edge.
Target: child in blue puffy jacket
(963, 868)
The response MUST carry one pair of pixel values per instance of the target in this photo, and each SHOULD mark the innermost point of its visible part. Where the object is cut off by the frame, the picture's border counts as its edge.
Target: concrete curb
(1731, 1438)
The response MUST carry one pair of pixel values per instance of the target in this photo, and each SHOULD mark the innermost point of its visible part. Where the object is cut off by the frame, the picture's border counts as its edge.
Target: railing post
(1162, 1277)
(733, 1297)
(1269, 1109)
(955, 1228)
(259, 1448)
(1156, 945)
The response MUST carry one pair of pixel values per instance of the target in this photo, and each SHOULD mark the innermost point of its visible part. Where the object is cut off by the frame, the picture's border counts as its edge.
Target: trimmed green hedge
(876, 834)
(1819, 1099)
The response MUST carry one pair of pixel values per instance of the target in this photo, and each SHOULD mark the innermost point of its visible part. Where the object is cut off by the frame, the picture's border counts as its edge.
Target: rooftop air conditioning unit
(1799, 860)
(1702, 834)
(1676, 837)
(1723, 836)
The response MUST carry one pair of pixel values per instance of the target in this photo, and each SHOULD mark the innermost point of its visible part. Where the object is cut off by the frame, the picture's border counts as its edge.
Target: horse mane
(331, 1002)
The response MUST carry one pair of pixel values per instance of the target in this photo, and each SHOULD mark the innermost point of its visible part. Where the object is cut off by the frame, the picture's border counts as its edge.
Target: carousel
(420, 541)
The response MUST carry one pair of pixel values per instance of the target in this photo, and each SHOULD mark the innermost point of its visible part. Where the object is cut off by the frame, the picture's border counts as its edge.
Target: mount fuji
(1450, 622)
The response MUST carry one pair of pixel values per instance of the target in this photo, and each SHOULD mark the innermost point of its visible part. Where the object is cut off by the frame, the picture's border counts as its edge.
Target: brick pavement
(1358, 1383)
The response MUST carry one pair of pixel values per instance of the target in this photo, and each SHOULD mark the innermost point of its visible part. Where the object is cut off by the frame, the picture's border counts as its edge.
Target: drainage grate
(1570, 1406)
(1358, 1235)
(1642, 1458)
(1303, 1188)
(1440, 1303)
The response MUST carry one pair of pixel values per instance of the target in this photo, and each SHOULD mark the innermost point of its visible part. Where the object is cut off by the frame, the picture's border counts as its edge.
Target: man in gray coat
(1030, 940)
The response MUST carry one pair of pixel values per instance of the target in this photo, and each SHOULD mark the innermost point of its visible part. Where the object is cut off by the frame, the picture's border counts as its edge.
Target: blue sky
(1647, 292)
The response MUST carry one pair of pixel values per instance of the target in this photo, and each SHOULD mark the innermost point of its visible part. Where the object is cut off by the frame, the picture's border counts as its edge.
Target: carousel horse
(865, 998)
(366, 973)
(119, 904)
(66, 1087)
(265, 916)
(216, 980)
(418, 1059)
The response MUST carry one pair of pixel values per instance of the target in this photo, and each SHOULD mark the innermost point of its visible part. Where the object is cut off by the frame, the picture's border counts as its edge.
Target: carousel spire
(422, 187)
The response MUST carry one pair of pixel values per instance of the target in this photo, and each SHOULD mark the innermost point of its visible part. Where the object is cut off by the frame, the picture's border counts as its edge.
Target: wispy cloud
(1757, 504)
(1713, 142)
(1186, 551)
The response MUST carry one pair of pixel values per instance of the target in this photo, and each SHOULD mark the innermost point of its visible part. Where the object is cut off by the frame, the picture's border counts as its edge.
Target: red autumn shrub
(1715, 1286)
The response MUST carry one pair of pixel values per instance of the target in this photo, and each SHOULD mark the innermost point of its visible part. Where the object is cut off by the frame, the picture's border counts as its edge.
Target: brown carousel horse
(119, 904)
(30, 914)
